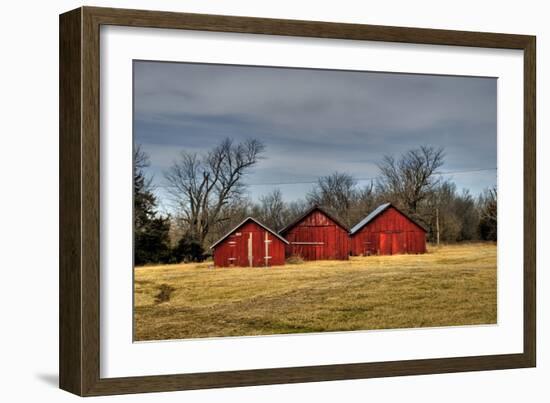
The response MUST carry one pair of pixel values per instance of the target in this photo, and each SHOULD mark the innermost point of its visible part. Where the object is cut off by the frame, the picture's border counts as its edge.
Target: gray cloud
(315, 121)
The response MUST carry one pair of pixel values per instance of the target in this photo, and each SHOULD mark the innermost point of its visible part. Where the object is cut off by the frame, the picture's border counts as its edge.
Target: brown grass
(450, 285)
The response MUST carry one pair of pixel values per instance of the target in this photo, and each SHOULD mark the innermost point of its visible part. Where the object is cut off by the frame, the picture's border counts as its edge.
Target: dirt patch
(165, 292)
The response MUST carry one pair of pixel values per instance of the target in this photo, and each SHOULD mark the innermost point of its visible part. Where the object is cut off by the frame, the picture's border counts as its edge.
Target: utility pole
(437, 225)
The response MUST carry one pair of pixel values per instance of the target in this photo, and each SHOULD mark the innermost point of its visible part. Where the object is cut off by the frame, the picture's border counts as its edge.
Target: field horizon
(451, 285)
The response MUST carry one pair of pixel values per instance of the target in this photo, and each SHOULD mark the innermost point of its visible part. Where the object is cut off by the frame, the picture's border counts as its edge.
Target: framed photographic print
(248, 201)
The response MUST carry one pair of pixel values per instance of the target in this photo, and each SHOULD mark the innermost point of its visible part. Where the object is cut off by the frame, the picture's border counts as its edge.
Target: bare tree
(272, 210)
(336, 192)
(465, 208)
(232, 214)
(365, 201)
(488, 214)
(410, 179)
(203, 185)
(295, 209)
(141, 159)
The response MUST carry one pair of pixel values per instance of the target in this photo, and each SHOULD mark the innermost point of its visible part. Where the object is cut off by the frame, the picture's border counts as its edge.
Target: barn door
(233, 250)
(366, 248)
(369, 245)
(396, 243)
(385, 243)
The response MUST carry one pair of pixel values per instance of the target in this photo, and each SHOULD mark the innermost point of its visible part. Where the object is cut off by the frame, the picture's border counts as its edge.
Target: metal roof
(369, 218)
(241, 224)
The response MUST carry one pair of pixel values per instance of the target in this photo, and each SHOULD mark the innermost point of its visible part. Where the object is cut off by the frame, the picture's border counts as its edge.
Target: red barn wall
(233, 250)
(389, 233)
(318, 237)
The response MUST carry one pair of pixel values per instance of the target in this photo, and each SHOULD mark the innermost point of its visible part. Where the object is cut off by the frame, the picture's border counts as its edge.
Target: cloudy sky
(314, 122)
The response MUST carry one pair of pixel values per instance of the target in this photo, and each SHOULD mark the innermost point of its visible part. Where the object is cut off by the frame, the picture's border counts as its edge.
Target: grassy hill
(450, 285)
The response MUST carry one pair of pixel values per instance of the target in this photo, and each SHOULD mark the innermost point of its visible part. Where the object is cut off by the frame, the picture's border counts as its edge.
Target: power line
(309, 182)
(366, 179)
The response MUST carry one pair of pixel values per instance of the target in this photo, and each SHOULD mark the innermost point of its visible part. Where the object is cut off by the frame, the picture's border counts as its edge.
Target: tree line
(208, 193)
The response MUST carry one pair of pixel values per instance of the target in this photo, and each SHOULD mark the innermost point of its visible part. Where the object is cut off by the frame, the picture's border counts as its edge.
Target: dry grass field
(450, 285)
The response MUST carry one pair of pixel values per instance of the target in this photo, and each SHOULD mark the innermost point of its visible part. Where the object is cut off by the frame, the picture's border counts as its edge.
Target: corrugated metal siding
(388, 234)
(318, 237)
(234, 250)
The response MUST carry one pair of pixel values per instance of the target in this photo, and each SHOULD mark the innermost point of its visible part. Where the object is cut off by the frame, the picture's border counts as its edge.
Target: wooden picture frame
(79, 347)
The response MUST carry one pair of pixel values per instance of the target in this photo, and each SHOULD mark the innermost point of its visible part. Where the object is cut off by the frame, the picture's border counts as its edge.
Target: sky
(314, 122)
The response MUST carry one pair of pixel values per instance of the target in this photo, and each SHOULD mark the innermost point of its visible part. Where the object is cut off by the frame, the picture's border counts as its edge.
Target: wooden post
(266, 256)
(250, 257)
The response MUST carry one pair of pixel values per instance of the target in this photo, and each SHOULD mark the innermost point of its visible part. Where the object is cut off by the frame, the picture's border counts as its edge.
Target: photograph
(272, 200)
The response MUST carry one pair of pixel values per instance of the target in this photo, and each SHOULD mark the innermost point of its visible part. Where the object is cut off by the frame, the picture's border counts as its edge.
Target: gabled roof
(247, 219)
(308, 212)
(375, 213)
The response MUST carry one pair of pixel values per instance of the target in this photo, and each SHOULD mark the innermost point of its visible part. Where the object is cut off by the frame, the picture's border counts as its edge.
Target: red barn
(317, 235)
(250, 244)
(387, 231)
